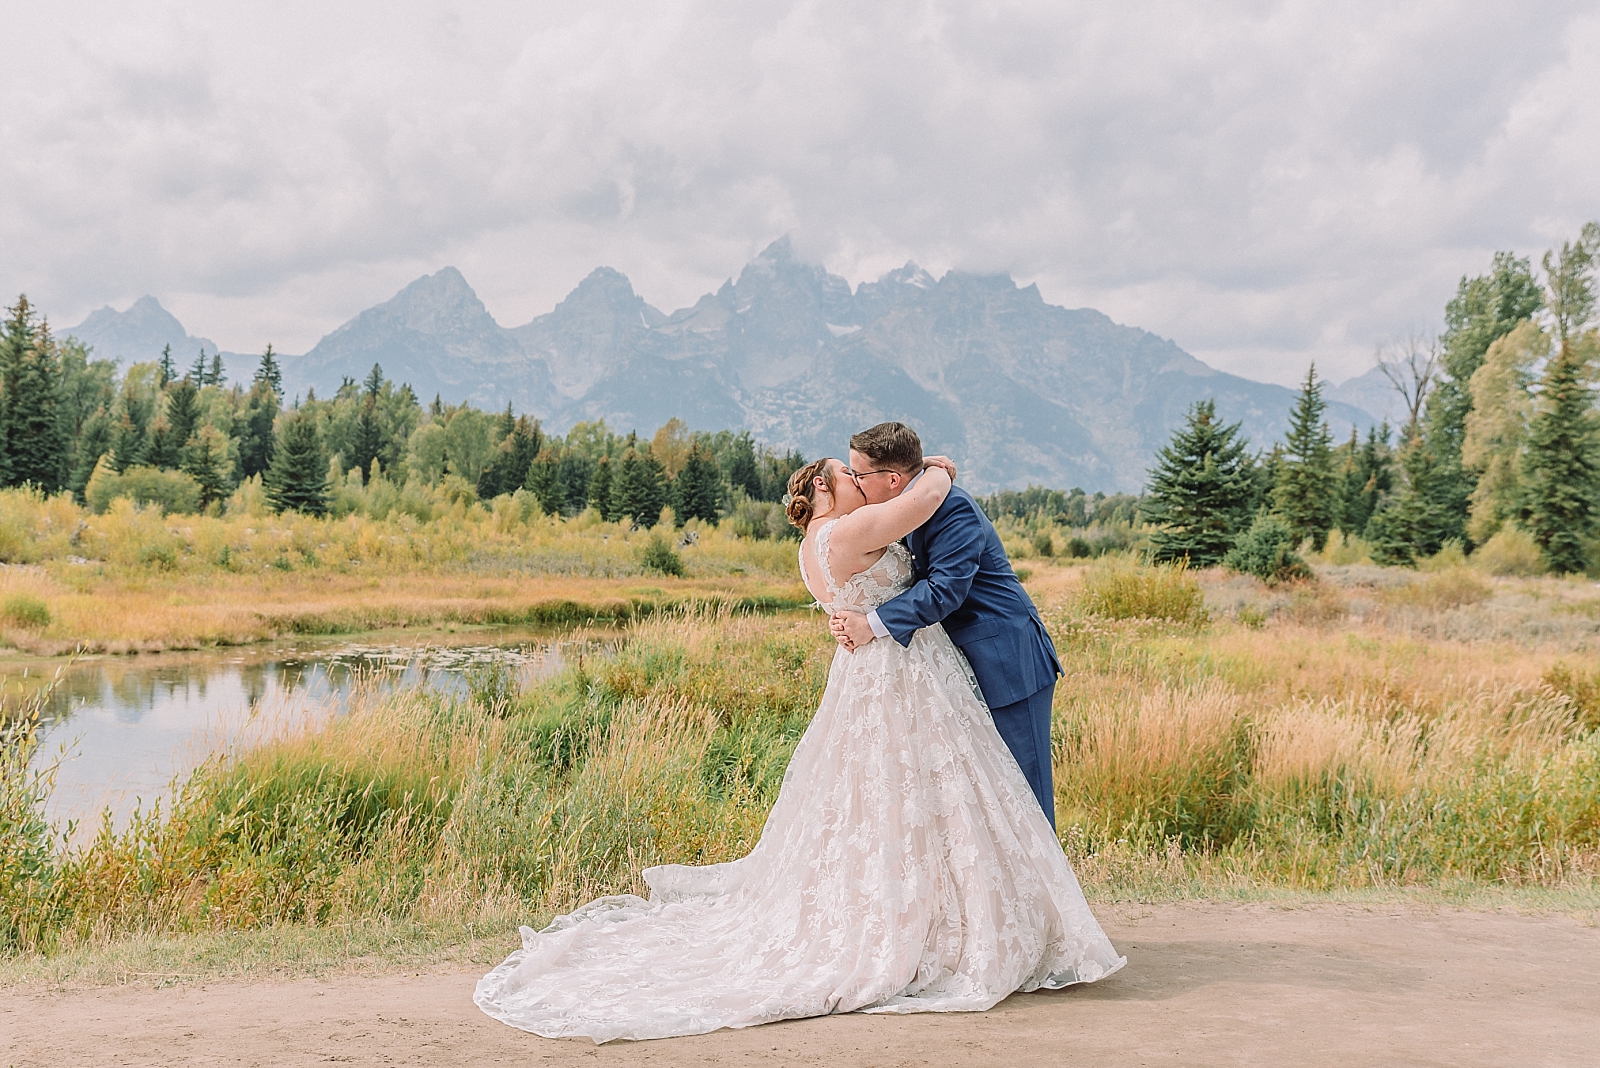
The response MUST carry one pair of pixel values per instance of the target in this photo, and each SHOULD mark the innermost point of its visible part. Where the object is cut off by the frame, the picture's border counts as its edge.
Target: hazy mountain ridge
(139, 334)
(1019, 390)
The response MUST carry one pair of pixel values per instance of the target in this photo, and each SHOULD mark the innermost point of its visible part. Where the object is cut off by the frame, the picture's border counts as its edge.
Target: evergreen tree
(216, 376)
(1365, 477)
(256, 441)
(740, 467)
(197, 373)
(1562, 476)
(1413, 522)
(1202, 490)
(203, 459)
(162, 450)
(776, 471)
(698, 486)
(298, 478)
(30, 378)
(269, 374)
(638, 489)
(1562, 479)
(183, 416)
(544, 482)
(514, 456)
(1303, 493)
(93, 442)
(600, 489)
(128, 442)
(168, 369)
(366, 438)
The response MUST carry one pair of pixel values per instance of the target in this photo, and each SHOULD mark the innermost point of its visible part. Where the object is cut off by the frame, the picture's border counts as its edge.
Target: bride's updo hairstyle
(800, 502)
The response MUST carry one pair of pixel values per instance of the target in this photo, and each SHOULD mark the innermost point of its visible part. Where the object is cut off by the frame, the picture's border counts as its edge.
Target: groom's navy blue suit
(964, 580)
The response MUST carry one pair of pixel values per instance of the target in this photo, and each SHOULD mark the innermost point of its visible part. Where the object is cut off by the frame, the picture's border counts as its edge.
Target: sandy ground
(1204, 985)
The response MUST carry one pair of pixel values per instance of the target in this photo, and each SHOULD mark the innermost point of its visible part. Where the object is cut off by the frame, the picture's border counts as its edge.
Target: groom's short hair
(892, 445)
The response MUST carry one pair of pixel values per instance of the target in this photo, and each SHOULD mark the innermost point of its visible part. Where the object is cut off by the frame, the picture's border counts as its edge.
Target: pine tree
(600, 489)
(128, 443)
(1562, 477)
(298, 478)
(638, 489)
(1202, 490)
(203, 459)
(183, 416)
(30, 378)
(698, 486)
(1563, 460)
(544, 482)
(1304, 491)
(216, 376)
(197, 373)
(269, 374)
(1412, 522)
(742, 471)
(168, 370)
(366, 438)
(515, 455)
(256, 441)
(1366, 476)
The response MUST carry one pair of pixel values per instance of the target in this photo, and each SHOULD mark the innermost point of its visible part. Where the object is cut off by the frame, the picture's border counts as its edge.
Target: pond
(121, 728)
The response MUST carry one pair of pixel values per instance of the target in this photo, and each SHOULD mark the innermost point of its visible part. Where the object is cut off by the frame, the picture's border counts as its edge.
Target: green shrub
(661, 557)
(171, 491)
(1044, 544)
(1267, 551)
(1162, 591)
(26, 611)
(1510, 552)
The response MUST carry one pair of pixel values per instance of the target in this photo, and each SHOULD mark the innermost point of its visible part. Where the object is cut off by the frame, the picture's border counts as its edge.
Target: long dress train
(905, 867)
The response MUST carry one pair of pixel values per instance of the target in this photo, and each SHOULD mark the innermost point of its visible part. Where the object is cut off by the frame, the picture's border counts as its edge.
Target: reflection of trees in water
(128, 689)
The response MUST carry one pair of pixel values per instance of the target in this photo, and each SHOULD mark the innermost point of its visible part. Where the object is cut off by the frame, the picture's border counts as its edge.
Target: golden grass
(132, 580)
(1345, 739)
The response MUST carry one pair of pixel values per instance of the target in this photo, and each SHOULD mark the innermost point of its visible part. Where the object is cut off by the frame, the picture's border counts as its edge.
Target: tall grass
(132, 579)
(1312, 754)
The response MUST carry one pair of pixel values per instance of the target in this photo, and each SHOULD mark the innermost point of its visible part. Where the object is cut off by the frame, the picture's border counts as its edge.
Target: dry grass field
(1376, 733)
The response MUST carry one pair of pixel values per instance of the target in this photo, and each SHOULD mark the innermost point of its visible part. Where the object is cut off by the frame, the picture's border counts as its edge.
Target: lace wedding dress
(905, 867)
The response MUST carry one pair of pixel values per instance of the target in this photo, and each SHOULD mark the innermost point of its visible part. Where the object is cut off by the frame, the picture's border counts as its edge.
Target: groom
(963, 580)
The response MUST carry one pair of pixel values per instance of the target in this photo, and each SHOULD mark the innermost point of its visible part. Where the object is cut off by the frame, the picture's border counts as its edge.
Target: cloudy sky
(1265, 183)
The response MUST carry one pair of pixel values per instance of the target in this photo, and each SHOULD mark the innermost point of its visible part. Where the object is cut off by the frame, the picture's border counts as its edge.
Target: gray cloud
(1265, 183)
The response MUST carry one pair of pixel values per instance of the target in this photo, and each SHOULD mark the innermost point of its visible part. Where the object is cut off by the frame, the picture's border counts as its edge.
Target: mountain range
(1020, 391)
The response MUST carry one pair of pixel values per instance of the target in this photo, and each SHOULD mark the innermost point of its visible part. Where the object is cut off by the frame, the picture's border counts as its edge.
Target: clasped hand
(850, 629)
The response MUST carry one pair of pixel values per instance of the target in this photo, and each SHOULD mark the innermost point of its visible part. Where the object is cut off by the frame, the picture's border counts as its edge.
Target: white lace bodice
(889, 576)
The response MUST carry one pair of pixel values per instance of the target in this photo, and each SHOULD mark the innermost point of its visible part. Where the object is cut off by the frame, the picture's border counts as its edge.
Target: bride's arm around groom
(965, 582)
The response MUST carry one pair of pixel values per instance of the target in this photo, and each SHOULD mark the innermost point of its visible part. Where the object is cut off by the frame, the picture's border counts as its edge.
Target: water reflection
(123, 728)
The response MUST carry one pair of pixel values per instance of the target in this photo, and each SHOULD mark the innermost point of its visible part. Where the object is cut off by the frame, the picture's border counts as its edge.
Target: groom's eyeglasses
(857, 476)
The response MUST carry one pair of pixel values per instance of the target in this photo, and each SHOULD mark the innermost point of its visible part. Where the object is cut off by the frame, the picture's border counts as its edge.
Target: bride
(905, 866)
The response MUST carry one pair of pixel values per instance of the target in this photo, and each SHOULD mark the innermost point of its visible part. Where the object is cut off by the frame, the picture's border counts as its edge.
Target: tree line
(1501, 439)
(186, 439)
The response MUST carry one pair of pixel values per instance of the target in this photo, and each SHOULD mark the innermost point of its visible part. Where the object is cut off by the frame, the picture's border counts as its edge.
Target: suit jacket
(964, 580)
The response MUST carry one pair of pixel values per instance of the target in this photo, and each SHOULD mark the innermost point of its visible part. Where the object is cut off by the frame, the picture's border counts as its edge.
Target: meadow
(1376, 731)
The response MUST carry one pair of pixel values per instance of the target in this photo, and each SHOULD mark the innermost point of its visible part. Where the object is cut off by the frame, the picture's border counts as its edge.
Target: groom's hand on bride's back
(850, 629)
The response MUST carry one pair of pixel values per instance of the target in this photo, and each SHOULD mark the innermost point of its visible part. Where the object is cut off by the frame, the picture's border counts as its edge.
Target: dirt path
(1205, 985)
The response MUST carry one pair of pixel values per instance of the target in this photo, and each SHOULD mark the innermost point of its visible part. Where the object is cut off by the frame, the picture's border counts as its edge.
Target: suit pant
(1025, 728)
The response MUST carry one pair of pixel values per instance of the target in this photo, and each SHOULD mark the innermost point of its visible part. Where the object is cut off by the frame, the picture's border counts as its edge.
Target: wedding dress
(905, 867)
